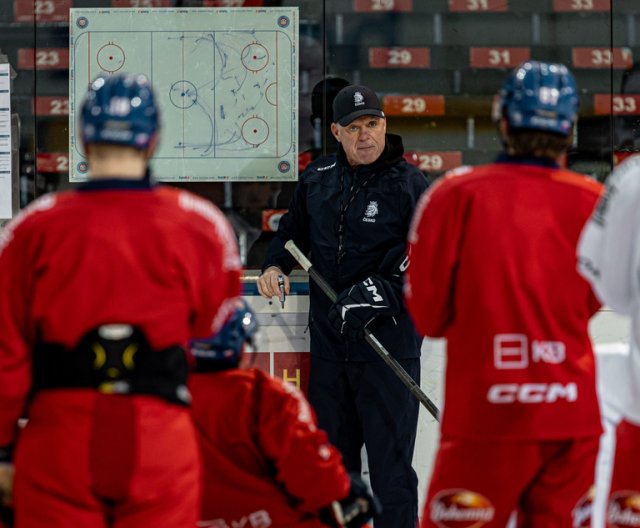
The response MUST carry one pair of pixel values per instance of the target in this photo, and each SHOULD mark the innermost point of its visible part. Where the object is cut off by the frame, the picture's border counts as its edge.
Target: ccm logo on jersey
(532, 392)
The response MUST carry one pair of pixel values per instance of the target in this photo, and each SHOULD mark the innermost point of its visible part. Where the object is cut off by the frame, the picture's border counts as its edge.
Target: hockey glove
(356, 307)
(6, 516)
(360, 506)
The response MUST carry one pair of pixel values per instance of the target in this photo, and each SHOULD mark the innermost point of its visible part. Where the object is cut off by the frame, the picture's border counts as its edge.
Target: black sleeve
(392, 270)
(294, 225)
(396, 261)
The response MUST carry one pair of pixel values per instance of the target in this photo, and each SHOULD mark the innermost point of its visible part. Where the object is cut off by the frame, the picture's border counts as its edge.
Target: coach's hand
(268, 285)
(357, 306)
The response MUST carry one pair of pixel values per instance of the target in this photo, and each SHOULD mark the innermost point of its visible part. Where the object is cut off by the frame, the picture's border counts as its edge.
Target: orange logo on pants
(460, 508)
(624, 509)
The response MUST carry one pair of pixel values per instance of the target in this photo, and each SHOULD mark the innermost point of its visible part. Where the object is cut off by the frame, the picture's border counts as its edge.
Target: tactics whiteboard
(226, 81)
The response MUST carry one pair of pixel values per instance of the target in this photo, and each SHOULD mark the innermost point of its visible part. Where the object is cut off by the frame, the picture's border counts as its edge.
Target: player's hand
(268, 285)
(354, 511)
(357, 306)
(6, 483)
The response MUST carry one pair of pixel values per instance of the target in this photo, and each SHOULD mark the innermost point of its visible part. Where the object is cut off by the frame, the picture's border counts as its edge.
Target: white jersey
(612, 360)
(609, 258)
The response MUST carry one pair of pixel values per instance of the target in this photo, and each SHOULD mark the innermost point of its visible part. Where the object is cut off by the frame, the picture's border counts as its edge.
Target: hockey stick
(377, 346)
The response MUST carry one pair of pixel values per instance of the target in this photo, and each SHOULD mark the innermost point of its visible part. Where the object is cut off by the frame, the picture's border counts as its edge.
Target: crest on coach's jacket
(371, 212)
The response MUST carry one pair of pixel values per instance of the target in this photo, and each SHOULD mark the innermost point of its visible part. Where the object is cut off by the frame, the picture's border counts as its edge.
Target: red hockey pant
(480, 484)
(623, 509)
(118, 461)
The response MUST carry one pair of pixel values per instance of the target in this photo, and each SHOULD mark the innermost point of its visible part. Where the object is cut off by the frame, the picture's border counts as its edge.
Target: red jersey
(493, 269)
(163, 259)
(265, 461)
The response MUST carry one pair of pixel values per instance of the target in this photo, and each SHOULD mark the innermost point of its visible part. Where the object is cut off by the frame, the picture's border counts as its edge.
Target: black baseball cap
(353, 102)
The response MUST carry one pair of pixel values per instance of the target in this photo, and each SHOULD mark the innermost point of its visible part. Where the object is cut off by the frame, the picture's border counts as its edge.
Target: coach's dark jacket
(376, 224)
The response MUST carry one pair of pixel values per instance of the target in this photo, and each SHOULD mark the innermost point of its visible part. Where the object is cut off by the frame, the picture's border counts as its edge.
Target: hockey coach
(351, 213)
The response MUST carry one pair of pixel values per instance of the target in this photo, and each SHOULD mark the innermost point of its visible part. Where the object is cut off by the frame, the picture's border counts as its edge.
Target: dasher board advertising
(226, 81)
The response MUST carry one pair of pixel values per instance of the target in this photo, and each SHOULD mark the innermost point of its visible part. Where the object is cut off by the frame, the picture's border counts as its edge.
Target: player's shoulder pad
(458, 171)
(35, 208)
(577, 179)
(191, 203)
(283, 392)
(441, 187)
(622, 186)
(627, 176)
(452, 179)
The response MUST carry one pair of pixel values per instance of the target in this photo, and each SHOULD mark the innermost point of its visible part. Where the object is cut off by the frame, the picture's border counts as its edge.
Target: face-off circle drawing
(255, 57)
(183, 94)
(255, 131)
(111, 57)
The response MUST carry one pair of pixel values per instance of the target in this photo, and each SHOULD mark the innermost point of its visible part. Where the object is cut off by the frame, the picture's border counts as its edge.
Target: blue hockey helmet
(222, 350)
(120, 109)
(540, 96)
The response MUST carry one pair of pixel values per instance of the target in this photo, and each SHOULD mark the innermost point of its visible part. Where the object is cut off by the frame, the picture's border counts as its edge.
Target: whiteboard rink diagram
(225, 79)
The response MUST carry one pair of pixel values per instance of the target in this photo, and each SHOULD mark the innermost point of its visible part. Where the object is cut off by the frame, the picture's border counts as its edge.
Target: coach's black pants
(365, 402)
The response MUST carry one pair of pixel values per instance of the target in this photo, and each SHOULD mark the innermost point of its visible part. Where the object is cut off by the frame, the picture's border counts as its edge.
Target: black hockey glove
(6, 516)
(360, 506)
(357, 306)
